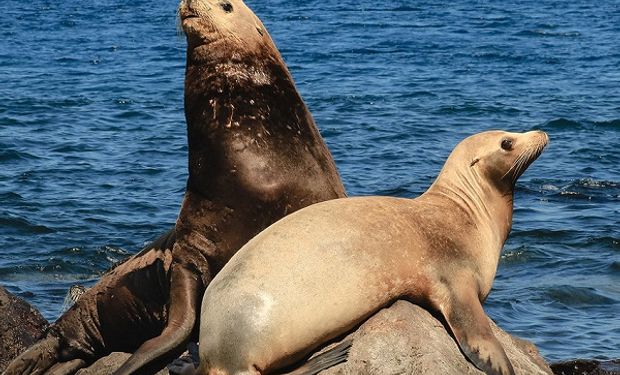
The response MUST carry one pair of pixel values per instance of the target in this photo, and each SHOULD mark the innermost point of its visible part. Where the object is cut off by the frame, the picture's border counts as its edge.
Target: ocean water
(93, 149)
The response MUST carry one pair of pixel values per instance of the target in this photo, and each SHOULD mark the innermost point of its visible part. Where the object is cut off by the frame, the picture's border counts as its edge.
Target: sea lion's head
(495, 158)
(228, 23)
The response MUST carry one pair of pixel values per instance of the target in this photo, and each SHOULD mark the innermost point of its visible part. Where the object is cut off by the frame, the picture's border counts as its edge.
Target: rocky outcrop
(406, 339)
(401, 339)
(21, 325)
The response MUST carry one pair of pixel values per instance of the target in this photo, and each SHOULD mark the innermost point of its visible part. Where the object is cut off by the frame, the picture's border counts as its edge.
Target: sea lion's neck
(239, 107)
(470, 192)
(472, 204)
(224, 94)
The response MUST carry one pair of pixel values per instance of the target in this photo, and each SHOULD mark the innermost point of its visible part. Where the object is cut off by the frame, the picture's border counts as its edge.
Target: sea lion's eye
(507, 144)
(226, 6)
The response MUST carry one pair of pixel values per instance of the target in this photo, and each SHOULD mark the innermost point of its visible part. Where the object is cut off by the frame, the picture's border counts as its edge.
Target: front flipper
(186, 289)
(470, 326)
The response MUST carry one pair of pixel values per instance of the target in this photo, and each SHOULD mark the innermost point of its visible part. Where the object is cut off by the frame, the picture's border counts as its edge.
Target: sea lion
(255, 155)
(316, 274)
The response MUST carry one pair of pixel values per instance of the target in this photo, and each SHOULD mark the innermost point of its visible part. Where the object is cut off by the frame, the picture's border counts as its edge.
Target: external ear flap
(473, 162)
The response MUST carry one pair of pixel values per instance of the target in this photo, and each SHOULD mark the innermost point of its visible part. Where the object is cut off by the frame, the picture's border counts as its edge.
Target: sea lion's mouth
(186, 13)
(187, 16)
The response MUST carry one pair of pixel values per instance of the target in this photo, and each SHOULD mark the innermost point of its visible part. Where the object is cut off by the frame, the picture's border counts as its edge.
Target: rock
(401, 339)
(109, 364)
(21, 325)
(586, 367)
(407, 339)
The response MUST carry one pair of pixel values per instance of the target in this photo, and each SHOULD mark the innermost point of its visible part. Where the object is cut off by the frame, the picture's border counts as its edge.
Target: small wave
(543, 233)
(405, 8)
(496, 55)
(68, 23)
(582, 189)
(568, 124)
(70, 263)
(73, 147)
(417, 94)
(515, 256)
(548, 33)
(22, 224)
(399, 191)
(475, 108)
(591, 183)
(10, 155)
(549, 187)
(67, 60)
(10, 196)
(31, 104)
(611, 124)
(562, 124)
(572, 296)
(133, 115)
(575, 195)
(114, 255)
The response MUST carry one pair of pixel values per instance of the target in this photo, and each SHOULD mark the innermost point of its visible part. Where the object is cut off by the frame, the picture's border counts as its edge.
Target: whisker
(514, 164)
(522, 165)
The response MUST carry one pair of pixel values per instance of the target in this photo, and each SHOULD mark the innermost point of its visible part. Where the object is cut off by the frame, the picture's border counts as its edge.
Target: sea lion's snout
(539, 140)
(542, 137)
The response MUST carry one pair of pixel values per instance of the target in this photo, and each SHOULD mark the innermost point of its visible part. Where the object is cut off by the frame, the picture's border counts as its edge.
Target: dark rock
(586, 367)
(21, 325)
(406, 339)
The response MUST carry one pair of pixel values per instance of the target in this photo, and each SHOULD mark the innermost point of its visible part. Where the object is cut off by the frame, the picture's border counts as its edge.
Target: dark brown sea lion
(255, 155)
(316, 274)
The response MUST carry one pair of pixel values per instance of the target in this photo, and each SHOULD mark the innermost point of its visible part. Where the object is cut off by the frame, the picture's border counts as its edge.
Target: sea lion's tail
(323, 361)
(37, 359)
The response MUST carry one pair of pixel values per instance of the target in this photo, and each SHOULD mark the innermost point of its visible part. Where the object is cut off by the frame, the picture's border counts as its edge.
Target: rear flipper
(186, 365)
(37, 359)
(323, 361)
(472, 331)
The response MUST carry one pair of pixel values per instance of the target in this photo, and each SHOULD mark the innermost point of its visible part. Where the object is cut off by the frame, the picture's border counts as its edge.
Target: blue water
(93, 148)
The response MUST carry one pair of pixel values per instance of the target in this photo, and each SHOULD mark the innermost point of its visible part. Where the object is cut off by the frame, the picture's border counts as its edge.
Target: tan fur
(319, 272)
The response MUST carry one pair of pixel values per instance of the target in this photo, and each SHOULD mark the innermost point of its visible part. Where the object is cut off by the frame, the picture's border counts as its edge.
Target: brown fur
(255, 155)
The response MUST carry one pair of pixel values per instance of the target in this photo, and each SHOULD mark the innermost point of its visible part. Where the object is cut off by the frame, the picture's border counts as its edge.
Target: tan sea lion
(316, 274)
(255, 155)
